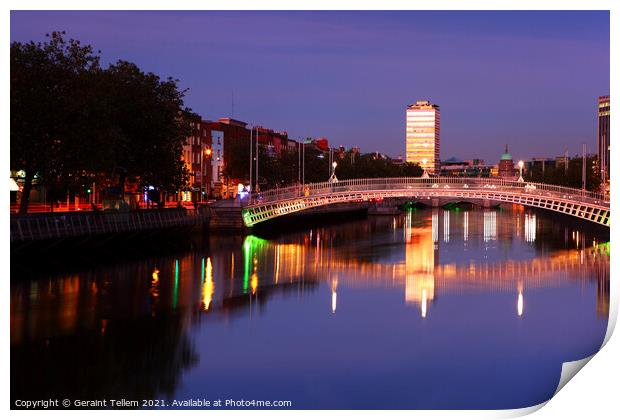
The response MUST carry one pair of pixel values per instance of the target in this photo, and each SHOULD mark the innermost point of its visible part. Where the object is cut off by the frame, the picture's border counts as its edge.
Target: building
(224, 134)
(423, 135)
(196, 156)
(603, 137)
(398, 160)
(506, 166)
(274, 142)
(468, 168)
(321, 144)
(227, 135)
(541, 164)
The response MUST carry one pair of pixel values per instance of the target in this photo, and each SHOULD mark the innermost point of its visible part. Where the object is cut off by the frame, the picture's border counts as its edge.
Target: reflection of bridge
(420, 273)
(578, 203)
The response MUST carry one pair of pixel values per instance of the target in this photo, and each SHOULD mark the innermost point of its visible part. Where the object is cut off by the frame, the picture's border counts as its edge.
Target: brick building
(196, 156)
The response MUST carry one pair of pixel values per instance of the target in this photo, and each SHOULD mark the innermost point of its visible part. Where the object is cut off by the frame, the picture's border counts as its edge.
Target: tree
(570, 176)
(73, 122)
(373, 166)
(48, 94)
(146, 124)
(237, 158)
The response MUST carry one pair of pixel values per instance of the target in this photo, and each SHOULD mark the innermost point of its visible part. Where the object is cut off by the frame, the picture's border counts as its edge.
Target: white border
(593, 395)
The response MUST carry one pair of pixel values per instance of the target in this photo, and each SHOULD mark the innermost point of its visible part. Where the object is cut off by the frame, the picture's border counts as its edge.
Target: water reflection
(208, 286)
(73, 298)
(149, 313)
(420, 259)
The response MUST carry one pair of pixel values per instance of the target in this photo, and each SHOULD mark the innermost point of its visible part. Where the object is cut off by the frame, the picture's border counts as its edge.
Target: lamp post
(202, 172)
(520, 171)
(251, 157)
(332, 177)
(425, 173)
(303, 163)
(257, 139)
(583, 168)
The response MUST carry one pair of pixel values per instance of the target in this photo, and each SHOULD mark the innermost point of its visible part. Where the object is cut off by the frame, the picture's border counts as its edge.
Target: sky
(529, 79)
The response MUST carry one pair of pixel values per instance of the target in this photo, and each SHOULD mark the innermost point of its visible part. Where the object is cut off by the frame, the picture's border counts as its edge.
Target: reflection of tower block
(419, 287)
(420, 262)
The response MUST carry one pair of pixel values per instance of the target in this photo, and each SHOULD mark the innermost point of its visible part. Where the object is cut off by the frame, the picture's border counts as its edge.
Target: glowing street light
(332, 177)
(425, 173)
(520, 171)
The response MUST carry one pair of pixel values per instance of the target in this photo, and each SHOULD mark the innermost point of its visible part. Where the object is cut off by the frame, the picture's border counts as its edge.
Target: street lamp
(203, 166)
(425, 173)
(333, 178)
(520, 171)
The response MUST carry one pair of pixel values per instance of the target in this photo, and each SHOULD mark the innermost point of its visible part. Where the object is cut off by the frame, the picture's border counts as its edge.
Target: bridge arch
(274, 203)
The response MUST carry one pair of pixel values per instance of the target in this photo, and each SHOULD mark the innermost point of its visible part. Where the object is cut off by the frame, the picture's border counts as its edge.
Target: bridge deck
(278, 202)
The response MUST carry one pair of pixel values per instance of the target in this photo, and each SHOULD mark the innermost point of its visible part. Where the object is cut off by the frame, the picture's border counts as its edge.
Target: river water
(433, 308)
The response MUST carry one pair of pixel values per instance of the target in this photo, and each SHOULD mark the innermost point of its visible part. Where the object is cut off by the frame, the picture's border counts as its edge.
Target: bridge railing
(404, 183)
(41, 226)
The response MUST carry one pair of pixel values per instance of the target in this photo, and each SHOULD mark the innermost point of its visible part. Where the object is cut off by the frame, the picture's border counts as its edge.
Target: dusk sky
(529, 79)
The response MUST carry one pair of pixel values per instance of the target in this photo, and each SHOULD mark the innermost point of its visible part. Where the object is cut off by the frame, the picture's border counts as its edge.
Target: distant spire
(506, 149)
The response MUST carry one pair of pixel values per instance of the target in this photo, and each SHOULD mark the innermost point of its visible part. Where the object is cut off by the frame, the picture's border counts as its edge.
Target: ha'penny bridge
(582, 204)
(55, 228)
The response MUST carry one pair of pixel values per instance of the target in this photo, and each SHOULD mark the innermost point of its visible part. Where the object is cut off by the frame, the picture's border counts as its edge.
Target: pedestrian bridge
(274, 203)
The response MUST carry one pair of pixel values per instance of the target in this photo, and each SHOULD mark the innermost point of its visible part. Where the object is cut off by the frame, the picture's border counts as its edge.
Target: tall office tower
(603, 136)
(423, 135)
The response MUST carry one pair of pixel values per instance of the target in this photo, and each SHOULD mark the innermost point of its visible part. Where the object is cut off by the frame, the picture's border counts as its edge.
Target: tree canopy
(72, 120)
(569, 175)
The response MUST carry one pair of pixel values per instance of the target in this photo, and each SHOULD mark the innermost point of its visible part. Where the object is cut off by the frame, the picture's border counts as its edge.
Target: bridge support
(226, 218)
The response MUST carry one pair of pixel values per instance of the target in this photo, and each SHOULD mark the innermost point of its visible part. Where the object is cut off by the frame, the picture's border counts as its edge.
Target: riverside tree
(145, 124)
(72, 120)
(48, 94)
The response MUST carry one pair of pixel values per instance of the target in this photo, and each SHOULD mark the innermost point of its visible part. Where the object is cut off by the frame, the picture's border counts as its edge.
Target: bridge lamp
(333, 178)
(520, 170)
(424, 162)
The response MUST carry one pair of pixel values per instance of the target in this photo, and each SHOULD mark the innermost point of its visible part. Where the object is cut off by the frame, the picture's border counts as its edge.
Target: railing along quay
(44, 226)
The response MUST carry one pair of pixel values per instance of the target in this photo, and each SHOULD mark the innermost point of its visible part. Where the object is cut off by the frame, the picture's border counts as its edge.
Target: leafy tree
(237, 158)
(48, 105)
(373, 166)
(145, 124)
(73, 122)
(570, 176)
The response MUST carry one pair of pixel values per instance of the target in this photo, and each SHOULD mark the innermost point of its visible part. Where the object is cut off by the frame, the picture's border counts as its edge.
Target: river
(432, 308)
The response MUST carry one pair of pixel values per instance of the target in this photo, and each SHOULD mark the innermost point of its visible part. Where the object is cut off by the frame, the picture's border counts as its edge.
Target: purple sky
(529, 79)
